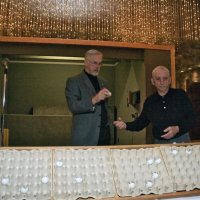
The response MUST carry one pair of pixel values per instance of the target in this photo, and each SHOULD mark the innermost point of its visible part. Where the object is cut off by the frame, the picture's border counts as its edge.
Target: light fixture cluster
(153, 22)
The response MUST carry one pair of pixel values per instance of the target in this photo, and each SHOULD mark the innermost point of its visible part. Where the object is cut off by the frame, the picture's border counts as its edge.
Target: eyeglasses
(95, 63)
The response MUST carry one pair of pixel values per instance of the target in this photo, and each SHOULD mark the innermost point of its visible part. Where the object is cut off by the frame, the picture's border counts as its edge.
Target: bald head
(160, 68)
(161, 79)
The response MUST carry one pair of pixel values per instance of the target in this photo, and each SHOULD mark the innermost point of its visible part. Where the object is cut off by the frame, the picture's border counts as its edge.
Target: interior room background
(37, 88)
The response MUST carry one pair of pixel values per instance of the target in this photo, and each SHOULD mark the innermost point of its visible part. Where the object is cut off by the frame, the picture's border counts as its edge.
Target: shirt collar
(90, 76)
(166, 95)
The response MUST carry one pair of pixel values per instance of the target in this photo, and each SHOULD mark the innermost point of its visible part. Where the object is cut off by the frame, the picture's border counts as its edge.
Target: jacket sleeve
(78, 102)
(139, 123)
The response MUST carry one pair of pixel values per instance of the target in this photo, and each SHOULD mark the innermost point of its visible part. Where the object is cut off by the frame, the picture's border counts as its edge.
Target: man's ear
(152, 81)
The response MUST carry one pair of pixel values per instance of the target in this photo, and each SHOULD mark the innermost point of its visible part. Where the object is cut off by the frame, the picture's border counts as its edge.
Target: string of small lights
(146, 21)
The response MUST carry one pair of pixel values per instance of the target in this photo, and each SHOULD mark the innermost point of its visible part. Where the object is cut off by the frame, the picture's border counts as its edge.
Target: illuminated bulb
(174, 151)
(154, 175)
(45, 179)
(131, 185)
(24, 190)
(78, 179)
(135, 21)
(158, 160)
(188, 151)
(149, 184)
(59, 163)
(5, 181)
(150, 161)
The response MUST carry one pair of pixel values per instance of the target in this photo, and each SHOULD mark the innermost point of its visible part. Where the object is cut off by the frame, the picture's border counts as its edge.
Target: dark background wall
(36, 111)
(31, 85)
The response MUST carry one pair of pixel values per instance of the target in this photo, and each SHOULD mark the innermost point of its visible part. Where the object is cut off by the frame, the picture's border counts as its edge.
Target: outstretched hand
(120, 124)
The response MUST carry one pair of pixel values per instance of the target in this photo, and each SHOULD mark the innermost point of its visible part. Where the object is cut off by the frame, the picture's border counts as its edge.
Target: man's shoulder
(77, 76)
(177, 91)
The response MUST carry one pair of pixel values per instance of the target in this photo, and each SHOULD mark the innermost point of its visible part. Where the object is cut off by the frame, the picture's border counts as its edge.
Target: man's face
(93, 64)
(161, 80)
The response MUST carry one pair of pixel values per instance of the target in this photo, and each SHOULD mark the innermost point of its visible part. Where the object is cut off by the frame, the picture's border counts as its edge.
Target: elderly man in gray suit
(87, 97)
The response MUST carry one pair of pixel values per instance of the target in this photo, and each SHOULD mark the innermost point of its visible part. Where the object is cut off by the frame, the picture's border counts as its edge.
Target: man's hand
(101, 95)
(170, 131)
(120, 124)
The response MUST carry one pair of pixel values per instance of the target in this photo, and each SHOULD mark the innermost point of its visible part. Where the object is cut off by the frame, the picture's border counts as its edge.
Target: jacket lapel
(88, 84)
(101, 84)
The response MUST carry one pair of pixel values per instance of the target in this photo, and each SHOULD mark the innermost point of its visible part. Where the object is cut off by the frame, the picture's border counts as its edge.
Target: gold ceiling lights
(146, 21)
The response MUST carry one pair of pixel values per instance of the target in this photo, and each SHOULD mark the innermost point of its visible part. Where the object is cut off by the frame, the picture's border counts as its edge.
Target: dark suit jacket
(86, 116)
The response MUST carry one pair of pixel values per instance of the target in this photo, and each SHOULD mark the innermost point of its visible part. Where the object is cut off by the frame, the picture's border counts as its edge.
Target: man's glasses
(95, 63)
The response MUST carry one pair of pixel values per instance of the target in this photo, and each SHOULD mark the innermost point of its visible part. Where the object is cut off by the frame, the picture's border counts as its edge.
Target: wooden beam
(83, 42)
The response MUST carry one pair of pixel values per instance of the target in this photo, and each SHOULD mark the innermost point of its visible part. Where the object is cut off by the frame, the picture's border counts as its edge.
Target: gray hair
(160, 67)
(92, 52)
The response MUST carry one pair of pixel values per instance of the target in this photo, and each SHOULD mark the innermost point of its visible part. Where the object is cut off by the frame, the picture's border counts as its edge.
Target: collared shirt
(173, 109)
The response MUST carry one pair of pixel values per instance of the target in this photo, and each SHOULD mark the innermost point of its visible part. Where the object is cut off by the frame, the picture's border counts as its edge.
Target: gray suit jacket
(86, 117)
